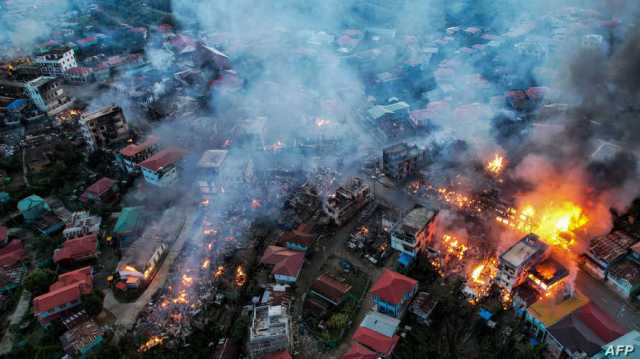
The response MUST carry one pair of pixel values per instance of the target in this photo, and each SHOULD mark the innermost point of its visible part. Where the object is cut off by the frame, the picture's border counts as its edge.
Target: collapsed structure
(104, 129)
(270, 330)
(347, 200)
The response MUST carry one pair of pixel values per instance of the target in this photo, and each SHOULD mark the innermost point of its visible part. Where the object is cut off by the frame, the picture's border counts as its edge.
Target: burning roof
(547, 273)
(523, 250)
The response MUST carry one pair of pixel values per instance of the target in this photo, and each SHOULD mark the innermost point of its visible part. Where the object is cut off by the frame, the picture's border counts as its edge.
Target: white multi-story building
(57, 62)
(414, 231)
(48, 95)
(270, 330)
(518, 259)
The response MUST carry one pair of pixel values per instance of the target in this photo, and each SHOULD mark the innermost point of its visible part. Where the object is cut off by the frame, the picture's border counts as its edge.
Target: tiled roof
(100, 186)
(163, 158)
(69, 287)
(12, 254)
(330, 288)
(376, 341)
(392, 286)
(284, 354)
(134, 148)
(284, 261)
(357, 351)
(77, 248)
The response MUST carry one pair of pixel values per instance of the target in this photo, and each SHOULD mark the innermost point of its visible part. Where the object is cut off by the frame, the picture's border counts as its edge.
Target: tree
(38, 281)
(338, 321)
(239, 329)
(92, 302)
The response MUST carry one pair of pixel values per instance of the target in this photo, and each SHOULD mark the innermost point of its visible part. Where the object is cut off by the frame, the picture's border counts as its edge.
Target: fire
(181, 298)
(164, 303)
(255, 203)
(547, 271)
(241, 276)
(130, 268)
(147, 272)
(227, 143)
(320, 122)
(209, 231)
(363, 231)
(205, 264)
(496, 165)
(187, 280)
(219, 272)
(475, 274)
(481, 278)
(454, 246)
(152, 342)
(204, 202)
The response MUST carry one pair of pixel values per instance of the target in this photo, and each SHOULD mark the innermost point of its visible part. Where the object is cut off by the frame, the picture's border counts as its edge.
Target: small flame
(205, 264)
(219, 272)
(320, 122)
(241, 276)
(187, 280)
(181, 298)
(152, 342)
(496, 165)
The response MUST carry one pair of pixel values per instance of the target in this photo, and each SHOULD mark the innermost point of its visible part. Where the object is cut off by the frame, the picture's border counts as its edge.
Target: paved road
(126, 313)
(608, 300)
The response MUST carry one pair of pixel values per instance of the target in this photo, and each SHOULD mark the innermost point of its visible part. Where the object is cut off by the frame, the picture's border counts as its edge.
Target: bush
(39, 280)
(92, 303)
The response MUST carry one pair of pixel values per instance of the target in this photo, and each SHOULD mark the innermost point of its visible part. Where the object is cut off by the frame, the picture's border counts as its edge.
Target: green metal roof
(128, 220)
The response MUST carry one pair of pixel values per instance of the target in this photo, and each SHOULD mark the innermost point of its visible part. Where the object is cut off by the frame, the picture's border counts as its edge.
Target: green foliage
(92, 302)
(239, 329)
(39, 280)
(338, 321)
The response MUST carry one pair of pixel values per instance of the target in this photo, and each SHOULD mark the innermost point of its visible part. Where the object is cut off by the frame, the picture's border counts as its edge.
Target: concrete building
(104, 129)
(347, 200)
(270, 331)
(57, 62)
(518, 259)
(12, 89)
(605, 251)
(392, 293)
(162, 169)
(131, 156)
(209, 167)
(401, 160)
(141, 260)
(624, 278)
(414, 232)
(81, 223)
(48, 95)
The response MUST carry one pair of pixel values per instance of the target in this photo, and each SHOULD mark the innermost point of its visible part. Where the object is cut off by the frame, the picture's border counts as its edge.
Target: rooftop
(376, 341)
(392, 286)
(330, 287)
(627, 270)
(381, 323)
(357, 351)
(212, 159)
(163, 158)
(523, 250)
(417, 219)
(549, 310)
(284, 261)
(69, 287)
(105, 111)
(135, 148)
(610, 247)
(269, 321)
(77, 248)
(40, 81)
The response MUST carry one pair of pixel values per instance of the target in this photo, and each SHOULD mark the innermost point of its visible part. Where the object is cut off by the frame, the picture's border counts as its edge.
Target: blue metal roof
(16, 104)
(405, 260)
(485, 314)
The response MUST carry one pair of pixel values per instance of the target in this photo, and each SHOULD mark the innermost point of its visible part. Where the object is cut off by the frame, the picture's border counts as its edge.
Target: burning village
(350, 179)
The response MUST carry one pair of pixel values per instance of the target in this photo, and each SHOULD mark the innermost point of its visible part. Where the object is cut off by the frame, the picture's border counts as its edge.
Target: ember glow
(278, 145)
(181, 298)
(205, 264)
(187, 280)
(496, 165)
(320, 122)
(152, 342)
(255, 203)
(241, 276)
(219, 272)
(454, 247)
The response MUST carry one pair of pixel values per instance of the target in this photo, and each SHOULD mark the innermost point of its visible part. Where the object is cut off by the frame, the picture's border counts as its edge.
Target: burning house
(546, 275)
(604, 251)
(270, 331)
(141, 261)
(104, 129)
(135, 153)
(48, 95)
(162, 168)
(515, 262)
(347, 200)
(401, 160)
(414, 232)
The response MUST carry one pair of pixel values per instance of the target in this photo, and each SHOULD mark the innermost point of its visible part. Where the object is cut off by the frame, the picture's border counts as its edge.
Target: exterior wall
(394, 310)
(160, 179)
(285, 278)
(620, 285)
(46, 317)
